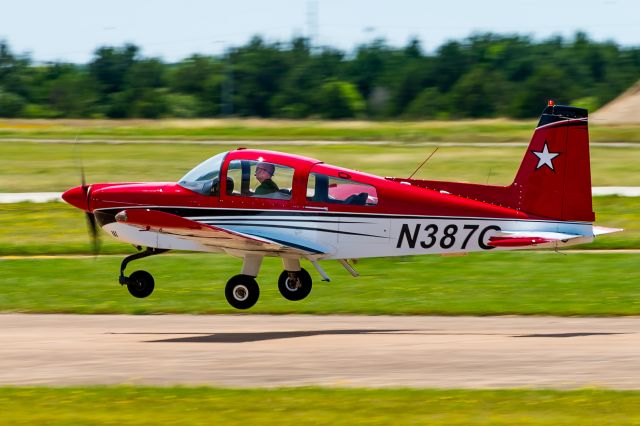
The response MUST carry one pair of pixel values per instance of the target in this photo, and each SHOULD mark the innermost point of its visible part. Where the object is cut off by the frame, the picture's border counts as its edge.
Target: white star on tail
(545, 157)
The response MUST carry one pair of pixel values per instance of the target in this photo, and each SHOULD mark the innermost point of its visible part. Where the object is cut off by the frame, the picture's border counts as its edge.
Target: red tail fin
(554, 179)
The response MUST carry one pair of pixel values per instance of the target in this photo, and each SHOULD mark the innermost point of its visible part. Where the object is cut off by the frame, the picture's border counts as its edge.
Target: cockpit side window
(322, 188)
(205, 177)
(260, 179)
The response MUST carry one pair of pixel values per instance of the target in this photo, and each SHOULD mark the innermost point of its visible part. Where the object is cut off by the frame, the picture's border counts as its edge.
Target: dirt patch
(625, 109)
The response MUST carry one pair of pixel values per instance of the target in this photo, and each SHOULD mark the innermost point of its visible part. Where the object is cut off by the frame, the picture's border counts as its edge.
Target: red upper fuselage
(393, 196)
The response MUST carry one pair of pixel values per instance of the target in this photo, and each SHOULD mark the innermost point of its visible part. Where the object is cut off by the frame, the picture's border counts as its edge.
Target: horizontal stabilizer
(528, 239)
(517, 241)
(601, 230)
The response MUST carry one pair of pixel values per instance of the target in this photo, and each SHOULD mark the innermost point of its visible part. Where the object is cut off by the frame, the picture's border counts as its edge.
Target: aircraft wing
(157, 221)
(527, 239)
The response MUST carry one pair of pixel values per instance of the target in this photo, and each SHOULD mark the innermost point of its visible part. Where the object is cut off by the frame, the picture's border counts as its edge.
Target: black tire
(297, 290)
(242, 291)
(140, 284)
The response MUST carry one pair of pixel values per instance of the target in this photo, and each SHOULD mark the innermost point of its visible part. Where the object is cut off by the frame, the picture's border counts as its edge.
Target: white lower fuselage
(346, 236)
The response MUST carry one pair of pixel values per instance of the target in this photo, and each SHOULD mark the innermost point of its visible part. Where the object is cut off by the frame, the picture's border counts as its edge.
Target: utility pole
(226, 87)
(312, 24)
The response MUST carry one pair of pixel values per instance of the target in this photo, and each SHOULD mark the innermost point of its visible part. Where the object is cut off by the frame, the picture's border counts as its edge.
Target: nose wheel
(140, 284)
(295, 285)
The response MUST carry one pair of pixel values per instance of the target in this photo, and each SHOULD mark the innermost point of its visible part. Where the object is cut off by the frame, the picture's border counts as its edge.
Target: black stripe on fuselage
(215, 214)
(227, 221)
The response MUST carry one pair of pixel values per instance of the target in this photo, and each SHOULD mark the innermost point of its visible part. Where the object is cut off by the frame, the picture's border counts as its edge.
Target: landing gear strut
(140, 284)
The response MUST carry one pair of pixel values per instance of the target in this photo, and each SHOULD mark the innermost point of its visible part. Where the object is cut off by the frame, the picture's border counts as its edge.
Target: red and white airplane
(315, 211)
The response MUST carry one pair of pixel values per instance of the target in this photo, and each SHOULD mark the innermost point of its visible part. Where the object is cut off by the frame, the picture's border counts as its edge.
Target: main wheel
(294, 285)
(242, 291)
(140, 284)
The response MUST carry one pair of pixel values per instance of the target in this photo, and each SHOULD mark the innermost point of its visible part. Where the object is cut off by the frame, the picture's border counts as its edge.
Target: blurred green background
(481, 76)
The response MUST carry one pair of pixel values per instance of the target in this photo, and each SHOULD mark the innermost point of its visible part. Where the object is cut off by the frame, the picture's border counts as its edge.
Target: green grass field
(315, 406)
(491, 130)
(43, 167)
(529, 283)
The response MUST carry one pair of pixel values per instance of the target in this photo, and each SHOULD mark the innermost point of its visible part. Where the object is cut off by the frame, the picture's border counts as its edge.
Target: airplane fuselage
(343, 235)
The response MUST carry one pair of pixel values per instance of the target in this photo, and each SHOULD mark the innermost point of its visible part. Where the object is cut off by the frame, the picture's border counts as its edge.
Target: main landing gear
(140, 283)
(242, 290)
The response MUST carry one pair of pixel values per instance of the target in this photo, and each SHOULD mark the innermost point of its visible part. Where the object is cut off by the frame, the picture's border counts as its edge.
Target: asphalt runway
(295, 350)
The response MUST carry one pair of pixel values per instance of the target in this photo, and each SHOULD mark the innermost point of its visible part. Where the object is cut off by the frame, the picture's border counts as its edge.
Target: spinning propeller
(92, 226)
(80, 197)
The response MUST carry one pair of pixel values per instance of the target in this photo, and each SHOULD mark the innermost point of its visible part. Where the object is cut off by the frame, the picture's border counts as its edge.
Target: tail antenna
(424, 162)
(489, 175)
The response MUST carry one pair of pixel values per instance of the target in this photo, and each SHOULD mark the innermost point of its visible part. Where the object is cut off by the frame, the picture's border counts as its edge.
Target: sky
(71, 30)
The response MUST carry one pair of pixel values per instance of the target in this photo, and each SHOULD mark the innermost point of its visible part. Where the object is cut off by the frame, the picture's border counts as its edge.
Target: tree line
(483, 75)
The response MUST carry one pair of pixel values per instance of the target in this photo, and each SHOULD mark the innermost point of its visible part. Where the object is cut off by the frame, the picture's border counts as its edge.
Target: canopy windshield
(204, 178)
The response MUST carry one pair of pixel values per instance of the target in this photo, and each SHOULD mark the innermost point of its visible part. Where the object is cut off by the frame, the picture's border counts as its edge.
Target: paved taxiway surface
(260, 350)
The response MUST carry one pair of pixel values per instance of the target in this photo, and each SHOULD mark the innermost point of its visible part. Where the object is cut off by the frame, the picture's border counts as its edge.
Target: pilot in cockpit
(264, 172)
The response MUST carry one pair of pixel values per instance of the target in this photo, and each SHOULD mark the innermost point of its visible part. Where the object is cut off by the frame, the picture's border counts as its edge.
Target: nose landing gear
(140, 284)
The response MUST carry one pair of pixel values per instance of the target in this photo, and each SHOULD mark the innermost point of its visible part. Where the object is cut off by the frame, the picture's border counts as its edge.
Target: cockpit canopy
(267, 174)
(205, 176)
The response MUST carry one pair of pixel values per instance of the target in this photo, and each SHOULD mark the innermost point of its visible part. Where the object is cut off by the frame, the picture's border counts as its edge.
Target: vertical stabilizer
(554, 178)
